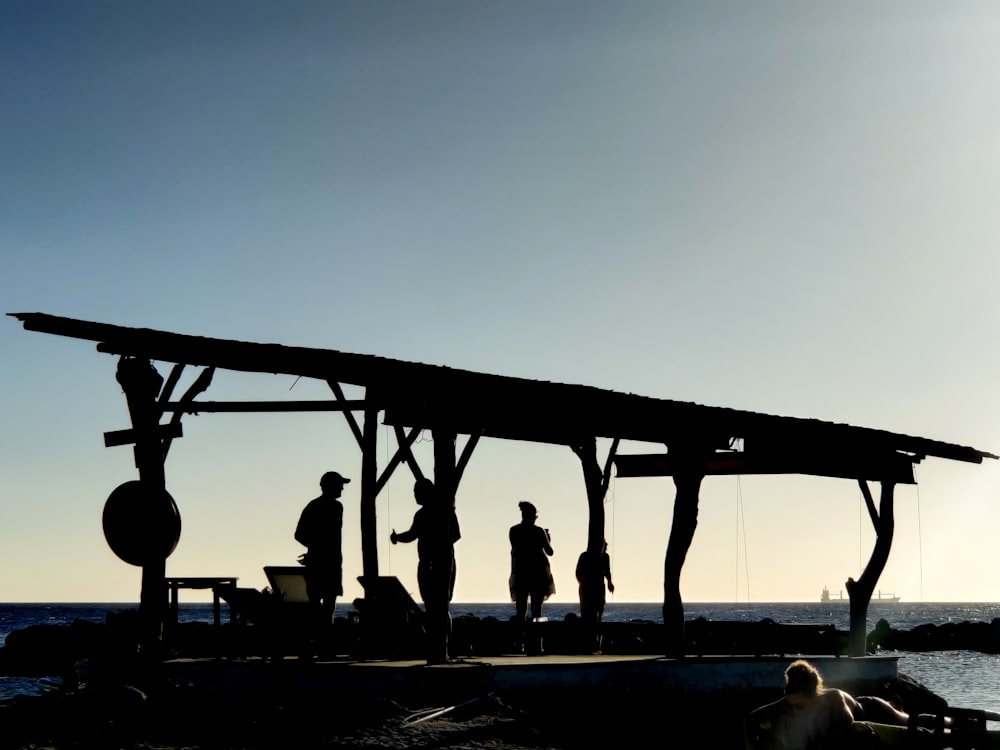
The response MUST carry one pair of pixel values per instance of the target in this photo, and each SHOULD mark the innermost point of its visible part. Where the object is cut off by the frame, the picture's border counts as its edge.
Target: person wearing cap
(319, 530)
(530, 574)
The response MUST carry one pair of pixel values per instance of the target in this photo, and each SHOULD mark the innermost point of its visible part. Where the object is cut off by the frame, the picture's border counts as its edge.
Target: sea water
(966, 679)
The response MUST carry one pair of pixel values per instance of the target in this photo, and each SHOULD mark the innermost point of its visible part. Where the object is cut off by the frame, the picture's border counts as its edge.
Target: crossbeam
(205, 407)
(125, 437)
(896, 468)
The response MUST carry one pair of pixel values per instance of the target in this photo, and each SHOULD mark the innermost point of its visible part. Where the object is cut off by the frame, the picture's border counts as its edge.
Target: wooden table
(176, 584)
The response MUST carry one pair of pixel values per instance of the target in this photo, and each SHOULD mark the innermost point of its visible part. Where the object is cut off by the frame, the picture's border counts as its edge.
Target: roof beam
(514, 408)
(206, 407)
(896, 468)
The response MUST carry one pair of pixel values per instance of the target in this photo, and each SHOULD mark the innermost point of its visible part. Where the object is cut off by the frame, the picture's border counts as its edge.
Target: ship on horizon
(876, 597)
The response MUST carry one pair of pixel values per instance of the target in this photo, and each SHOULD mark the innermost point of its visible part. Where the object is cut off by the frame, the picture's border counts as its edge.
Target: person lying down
(811, 715)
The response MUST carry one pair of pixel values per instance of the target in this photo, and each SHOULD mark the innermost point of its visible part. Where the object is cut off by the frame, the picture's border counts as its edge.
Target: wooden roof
(428, 396)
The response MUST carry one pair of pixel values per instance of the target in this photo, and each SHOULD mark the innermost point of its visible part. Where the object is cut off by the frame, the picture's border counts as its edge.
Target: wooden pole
(589, 569)
(685, 521)
(860, 591)
(593, 480)
(439, 611)
(141, 384)
(369, 494)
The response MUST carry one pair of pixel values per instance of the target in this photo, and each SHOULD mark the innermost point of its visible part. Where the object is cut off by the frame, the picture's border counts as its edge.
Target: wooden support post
(369, 493)
(402, 454)
(405, 441)
(445, 487)
(596, 482)
(586, 451)
(141, 384)
(860, 591)
(174, 603)
(685, 521)
(445, 464)
(199, 386)
(589, 570)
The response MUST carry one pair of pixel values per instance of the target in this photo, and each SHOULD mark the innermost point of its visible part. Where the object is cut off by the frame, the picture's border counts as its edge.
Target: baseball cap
(332, 476)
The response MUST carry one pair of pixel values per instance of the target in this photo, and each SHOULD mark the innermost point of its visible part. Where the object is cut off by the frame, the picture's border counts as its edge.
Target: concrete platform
(521, 675)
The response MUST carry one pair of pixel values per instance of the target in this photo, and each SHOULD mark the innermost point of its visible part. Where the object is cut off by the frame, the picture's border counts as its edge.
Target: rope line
(743, 515)
(737, 529)
(388, 504)
(614, 506)
(920, 535)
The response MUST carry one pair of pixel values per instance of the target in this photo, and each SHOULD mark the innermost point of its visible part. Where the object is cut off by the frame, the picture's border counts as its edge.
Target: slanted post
(860, 591)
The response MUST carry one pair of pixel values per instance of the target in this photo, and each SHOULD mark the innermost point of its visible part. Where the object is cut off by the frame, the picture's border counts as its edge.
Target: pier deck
(520, 675)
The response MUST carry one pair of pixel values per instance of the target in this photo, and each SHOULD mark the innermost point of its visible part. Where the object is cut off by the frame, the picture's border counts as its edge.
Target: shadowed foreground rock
(120, 716)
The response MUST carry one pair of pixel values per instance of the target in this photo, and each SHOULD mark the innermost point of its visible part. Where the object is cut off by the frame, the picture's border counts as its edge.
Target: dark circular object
(141, 526)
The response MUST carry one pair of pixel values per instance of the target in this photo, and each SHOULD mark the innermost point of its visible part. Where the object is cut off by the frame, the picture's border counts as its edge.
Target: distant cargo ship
(877, 597)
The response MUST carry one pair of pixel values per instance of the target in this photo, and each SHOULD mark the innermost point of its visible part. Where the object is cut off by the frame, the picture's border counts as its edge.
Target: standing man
(591, 571)
(435, 529)
(319, 529)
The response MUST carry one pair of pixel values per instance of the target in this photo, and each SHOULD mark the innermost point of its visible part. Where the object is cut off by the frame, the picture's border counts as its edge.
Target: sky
(780, 207)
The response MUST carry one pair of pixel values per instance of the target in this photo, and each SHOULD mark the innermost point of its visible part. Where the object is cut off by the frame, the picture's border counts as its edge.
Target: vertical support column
(141, 383)
(445, 487)
(174, 603)
(369, 494)
(860, 591)
(593, 480)
(589, 570)
(685, 521)
(444, 466)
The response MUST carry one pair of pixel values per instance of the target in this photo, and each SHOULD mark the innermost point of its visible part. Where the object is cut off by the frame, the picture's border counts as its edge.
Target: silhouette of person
(319, 530)
(591, 571)
(530, 574)
(435, 529)
(812, 715)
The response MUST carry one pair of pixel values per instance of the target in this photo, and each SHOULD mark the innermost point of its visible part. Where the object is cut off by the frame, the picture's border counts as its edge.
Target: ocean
(965, 679)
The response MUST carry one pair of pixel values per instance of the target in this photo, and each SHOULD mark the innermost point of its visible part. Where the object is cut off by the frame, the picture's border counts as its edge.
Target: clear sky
(781, 207)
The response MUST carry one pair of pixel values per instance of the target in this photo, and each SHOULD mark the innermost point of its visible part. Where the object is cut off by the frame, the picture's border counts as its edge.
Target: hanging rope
(741, 514)
(609, 497)
(920, 535)
(388, 505)
(737, 529)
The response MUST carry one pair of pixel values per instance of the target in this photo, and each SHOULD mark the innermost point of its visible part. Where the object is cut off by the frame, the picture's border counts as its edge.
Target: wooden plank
(206, 407)
(896, 468)
(125, 437)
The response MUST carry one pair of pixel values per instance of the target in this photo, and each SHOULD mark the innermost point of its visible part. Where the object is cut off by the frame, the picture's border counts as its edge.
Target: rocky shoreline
(952, 636)
(49, 650)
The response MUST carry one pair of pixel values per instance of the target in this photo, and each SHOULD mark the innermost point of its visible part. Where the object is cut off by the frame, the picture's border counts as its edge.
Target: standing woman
(530, 574)
(435, 529)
